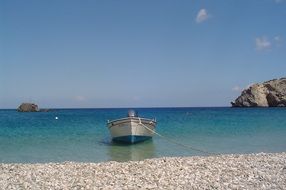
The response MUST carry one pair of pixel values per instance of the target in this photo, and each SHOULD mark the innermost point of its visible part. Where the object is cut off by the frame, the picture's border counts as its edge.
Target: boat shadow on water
(123, 152)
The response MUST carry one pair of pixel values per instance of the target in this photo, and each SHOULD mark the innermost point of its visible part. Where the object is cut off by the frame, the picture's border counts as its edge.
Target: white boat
(131, 129)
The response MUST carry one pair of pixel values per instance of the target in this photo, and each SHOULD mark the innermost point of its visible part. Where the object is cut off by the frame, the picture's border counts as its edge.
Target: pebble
(250, 171)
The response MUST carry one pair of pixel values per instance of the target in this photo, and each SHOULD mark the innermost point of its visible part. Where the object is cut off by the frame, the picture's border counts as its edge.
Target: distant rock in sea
(31, 107)
(28, 107)
(267, 94)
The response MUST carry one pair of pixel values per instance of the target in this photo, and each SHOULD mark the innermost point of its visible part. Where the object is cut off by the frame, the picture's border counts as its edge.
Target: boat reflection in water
(141, 151)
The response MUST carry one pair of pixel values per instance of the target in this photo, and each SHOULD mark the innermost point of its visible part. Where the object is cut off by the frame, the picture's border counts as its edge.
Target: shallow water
(81, 134)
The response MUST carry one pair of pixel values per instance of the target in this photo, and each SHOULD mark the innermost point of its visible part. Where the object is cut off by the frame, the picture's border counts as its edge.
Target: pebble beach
(250, 171)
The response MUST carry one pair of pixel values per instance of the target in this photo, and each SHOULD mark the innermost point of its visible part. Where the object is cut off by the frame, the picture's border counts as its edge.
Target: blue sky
(138, 53)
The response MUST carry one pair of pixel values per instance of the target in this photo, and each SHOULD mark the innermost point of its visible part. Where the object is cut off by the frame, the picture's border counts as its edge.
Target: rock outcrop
(268, 94)
(28, 107)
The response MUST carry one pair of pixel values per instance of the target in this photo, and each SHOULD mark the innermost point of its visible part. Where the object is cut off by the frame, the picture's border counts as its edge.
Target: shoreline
(233, 171)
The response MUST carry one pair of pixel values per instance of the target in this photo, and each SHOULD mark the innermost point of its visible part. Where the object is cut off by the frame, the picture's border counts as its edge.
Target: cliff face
(268, 94)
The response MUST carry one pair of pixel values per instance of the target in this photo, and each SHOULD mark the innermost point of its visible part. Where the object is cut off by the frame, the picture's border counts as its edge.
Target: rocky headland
(267, 94)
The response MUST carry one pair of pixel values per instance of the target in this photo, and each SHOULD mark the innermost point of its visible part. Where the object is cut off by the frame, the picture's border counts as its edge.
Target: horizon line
(124, 107)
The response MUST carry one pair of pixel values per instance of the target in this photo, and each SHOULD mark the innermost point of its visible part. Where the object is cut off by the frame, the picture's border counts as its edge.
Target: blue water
(81, 134)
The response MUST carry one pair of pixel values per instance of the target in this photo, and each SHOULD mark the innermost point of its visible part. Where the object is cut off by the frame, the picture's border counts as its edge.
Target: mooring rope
(175, 142)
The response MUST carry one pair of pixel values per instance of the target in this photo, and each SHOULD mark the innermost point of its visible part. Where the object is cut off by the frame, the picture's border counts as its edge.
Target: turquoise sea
(81, 134)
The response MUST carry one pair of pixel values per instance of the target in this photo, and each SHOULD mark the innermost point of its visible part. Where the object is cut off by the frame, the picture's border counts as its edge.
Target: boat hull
(131, 130)
(131, 139)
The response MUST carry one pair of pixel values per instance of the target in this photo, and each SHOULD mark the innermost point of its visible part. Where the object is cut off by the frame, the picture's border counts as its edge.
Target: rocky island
(30, 107)
(267, 94)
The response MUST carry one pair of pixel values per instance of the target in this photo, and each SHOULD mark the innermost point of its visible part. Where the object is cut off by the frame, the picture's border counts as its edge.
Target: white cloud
(202, 16)
(278, 1)
(278, 40)
(80, 98)
(136, 98)
(239, 89)
(236, 89)
(262, 43)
